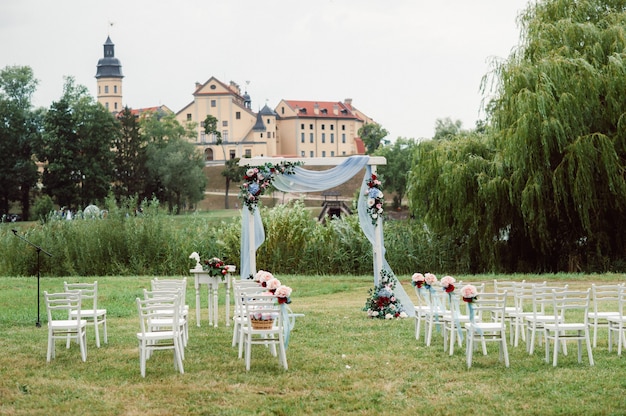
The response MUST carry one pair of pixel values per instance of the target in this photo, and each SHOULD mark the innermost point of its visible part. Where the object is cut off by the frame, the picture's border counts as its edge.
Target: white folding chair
(239, 314)
(617, 323)
(541, 315)
(61, 325)
(570, 323)
(522, 307)
(90, 312)
(433, 316)
(259, 305)
(604, 299)
(422, 308)
(453, 324)
(157, 284)
(501, 286)
(166, 320)
(490, 327)
(165, 337)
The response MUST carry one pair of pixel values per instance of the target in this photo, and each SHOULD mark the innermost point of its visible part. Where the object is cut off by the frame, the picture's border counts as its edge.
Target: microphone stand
(39, 250)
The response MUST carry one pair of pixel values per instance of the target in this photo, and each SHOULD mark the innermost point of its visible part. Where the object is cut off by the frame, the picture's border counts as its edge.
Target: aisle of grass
(340, 363)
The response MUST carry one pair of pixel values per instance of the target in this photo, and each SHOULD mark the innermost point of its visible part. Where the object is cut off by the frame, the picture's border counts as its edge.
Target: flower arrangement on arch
(382, 303)
(447, 282)
(215, 267)
(257, 179)
(469, 293)
(375, 198)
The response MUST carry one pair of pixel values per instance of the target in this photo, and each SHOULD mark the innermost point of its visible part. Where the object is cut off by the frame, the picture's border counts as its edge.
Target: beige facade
(319, 128)
(292, 129)
(244, 133)
(110, 93)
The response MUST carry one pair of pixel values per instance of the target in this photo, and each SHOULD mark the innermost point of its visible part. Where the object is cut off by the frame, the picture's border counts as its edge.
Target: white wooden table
(202, 277)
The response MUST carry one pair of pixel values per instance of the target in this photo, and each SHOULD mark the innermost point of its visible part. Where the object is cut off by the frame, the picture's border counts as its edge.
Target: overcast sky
(405, 63)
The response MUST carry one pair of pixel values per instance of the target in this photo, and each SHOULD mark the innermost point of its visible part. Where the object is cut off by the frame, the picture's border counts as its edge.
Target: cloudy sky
(405, 63)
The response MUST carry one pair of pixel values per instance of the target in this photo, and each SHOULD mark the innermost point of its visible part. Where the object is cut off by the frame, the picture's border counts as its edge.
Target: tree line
(540, 185)
(76, 153)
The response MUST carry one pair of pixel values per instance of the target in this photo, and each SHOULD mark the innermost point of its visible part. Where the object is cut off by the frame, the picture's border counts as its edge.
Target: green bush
(142, 239)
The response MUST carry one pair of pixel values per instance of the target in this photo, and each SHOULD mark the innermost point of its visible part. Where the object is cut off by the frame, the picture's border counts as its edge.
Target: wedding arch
(288, 175)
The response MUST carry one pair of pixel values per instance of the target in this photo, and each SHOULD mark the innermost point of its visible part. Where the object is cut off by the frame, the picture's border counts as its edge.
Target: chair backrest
(158, 307)
(59, 305)
(542, 298)
(157, 284)
(605, 297)
(570, 305)
(490, 306)
(88, 291)
(261, 306)
(508, 285)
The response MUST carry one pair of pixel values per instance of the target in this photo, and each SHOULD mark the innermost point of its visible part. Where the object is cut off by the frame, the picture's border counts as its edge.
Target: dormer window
(324, 111)
(303, 110)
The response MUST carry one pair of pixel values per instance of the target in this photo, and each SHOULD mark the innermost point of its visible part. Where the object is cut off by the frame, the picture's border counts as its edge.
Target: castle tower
(109, 79)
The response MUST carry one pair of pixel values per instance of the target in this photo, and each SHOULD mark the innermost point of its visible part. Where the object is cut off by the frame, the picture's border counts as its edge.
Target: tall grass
(340, 363)
(153, 242)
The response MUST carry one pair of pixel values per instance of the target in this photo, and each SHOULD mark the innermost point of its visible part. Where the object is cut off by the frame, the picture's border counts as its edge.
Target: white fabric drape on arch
(304, 180)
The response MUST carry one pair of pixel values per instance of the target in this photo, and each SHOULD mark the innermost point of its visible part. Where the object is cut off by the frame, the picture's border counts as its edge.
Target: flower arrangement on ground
(447, 282)
(469, 293)
(417, 280)
(257, 179)
(382, 303)
(215, 267)
(375, 198)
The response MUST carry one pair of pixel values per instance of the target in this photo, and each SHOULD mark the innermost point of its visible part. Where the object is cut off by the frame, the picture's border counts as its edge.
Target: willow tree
(559, 127)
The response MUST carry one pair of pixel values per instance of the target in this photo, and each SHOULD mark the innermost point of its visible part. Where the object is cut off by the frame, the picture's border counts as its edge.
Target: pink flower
(469, 292)
(262, 276)
(283, 291)
(447, 280)
(272, 284)
(430, 278)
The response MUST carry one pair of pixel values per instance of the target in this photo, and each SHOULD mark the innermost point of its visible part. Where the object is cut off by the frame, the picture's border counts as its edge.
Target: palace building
(294, 128)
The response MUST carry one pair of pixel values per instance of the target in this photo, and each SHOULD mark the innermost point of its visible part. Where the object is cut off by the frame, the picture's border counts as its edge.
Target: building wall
(293, 128)
(110, 93)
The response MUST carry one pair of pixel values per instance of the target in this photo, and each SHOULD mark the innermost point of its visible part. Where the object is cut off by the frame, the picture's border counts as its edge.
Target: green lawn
(340, 363)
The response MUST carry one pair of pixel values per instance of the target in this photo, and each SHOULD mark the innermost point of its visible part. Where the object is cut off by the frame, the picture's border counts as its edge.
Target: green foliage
(76, 149)
(43, 207)
(20, 127)
(394, 174)
(373, 135)
(130, 172)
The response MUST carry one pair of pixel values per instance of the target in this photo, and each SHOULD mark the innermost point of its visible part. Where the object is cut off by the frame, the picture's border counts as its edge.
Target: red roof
(360, 146)
(325, 109)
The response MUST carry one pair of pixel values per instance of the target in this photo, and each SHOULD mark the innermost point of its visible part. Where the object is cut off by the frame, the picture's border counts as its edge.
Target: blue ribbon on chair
(471, 317)
(284, 312)
(456, 309)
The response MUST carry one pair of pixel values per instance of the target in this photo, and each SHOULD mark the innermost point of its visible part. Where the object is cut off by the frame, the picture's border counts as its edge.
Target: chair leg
(469, 347)
(504, 348)
(589, 351)
(97, 330)
(556, 348)
(418, 324)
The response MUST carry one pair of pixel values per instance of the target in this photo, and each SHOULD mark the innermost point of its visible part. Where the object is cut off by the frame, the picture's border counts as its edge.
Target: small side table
(213, 282)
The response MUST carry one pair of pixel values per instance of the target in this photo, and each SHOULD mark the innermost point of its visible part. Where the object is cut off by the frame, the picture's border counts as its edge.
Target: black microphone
(14, 232)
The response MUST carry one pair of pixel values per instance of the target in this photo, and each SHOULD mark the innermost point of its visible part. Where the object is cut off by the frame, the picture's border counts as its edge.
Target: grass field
(340, 363)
